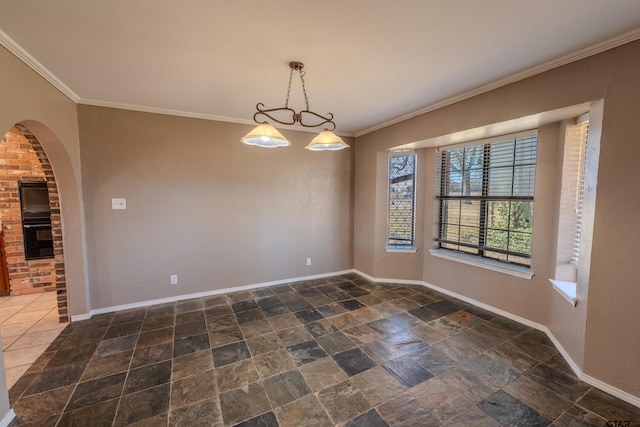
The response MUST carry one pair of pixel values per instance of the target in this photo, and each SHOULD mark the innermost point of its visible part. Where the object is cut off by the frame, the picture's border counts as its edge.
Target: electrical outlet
(174, 279)
(308, 261)
(118, 204)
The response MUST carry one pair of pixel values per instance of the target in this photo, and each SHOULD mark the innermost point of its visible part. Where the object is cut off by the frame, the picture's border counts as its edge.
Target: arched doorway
(24, 160)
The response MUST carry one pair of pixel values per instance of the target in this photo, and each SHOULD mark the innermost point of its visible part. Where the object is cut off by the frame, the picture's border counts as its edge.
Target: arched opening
(23, 160)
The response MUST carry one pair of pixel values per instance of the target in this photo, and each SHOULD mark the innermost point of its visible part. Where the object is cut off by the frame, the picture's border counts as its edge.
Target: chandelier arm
(327, 119)
(271, 110)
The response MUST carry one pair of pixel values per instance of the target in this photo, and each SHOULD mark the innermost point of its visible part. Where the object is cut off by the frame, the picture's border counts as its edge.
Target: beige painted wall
(609, 348)
(27, 98)
(204, 206)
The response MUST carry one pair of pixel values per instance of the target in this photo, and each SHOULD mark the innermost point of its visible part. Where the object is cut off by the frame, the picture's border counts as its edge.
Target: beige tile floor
(28, 324)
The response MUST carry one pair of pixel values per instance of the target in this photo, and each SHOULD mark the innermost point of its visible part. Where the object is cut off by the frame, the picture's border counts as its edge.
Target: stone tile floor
(28, 323)
(338, 351)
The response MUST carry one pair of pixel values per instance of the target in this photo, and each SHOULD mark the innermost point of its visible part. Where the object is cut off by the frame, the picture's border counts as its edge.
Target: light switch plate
(118, 204)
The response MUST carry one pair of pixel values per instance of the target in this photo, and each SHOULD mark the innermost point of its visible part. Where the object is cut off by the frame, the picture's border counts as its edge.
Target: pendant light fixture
(266, 136)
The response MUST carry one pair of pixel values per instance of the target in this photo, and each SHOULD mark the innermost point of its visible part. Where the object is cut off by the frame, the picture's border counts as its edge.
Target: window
(485, 192)
(573, 226)
(402, 178)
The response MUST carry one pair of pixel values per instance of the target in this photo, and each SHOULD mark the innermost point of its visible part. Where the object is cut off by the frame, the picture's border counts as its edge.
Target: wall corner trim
(608, 388)
(8, 418)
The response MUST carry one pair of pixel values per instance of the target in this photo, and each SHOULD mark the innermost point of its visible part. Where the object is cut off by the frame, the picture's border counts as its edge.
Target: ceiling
(369, 62)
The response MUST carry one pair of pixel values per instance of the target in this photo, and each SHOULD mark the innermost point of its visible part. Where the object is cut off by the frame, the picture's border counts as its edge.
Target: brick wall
(18, 161)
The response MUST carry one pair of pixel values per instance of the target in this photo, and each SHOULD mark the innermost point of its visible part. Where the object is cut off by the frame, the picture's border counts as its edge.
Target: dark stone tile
(609, 407)
(512, 355)
(268, 301)
(579, 417)
(50, 379)
(446, 307)
(307, 412)
(20, 386)
(510, 412)
(444, 401)
(344, 321)
(161, 310)
(281, 289)
(191, 364)
(240, 306)
(230, 353)
(123, 329)
(320, 328)
(405, 411)
(308, 315)
(189, 390)
(297, 305)
(243, 403)
(470, 385)
(322, 374)
(189, 305)
(239, 374)
(472, 417)
(155, 337)
(96, 391)
(492, 370)
(225, 336)
(264, 344)
(255, 329)
(424, 313)
(184, 330)
(215, 300)
(381, 350)
(353, 361)
(249, 316)
(306, 352)
(264, 420)
(128, 316)
(356, 292)
(275, 362)
(286, 387)
(433, 359)
(262, 293)
(275, 310)
(204, 413)
(506, 323)
(352, 304)
(217, 311)
(159, 322)
(221, 322)
(407, 371)
(377, 385)
(330, 310)
(83, 336)
(294, 335)
(144, 404)
(343, 401)
(148, 376)
(190, 317)
(151, 354)
(190, 344)
(79, 355)
(107, 365)
(97, 415)
(538, 397)
(284, 321)
(565, 385)
(42, 406)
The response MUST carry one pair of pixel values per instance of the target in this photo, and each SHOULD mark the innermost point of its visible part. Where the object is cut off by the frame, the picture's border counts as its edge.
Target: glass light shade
(326, 141)
(266, 136)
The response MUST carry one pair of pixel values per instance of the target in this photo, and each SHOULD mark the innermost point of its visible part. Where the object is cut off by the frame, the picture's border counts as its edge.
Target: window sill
(402, 250)
(512, 270)
(567, 290)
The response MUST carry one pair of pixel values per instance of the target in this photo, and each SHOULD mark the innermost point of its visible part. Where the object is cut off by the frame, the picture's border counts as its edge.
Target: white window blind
(579, 160)
(485, 193)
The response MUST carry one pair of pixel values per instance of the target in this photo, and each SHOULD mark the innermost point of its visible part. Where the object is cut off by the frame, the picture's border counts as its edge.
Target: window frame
(442, 180)
(398, 247)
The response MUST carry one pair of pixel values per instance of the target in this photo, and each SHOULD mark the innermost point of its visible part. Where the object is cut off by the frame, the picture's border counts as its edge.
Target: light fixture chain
(304, 89)
(286, 102)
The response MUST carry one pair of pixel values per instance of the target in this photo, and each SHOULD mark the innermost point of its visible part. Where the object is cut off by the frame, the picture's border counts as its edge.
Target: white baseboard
(202, 294)
(608, 388)
(8, 418)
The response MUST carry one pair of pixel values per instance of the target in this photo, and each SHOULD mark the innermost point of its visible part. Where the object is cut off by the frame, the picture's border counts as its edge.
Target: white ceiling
(369, 62)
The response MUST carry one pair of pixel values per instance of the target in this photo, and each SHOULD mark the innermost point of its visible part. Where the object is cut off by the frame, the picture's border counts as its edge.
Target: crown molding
(36, 66)
(178, 113)
(564, 60)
